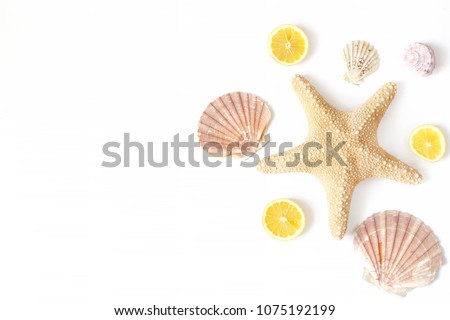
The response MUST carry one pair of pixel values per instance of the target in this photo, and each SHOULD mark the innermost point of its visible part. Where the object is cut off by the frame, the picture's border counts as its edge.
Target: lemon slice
(288, 44)
(428, 142)
(283, 219)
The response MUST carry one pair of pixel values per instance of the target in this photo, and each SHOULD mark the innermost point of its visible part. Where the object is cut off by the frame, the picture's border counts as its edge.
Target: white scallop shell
(400, 252)
(234, 124)
(361, 59)
(420, 57)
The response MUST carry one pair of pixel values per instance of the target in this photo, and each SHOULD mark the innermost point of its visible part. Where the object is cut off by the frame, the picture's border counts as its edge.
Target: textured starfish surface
(356, 156)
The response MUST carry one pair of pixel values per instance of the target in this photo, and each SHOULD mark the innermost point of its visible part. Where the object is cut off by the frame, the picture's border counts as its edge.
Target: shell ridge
(262, 113)
(378, 246)
(364, 245)
(426, 270)
(252, 111)
(353, 56)
(398, 252)
(391, 241)
(245, 111)
(219, 125)
(232, 120)
(237, 100)
(398, 240)
(372, 233)
(211, 134)
(259, 107)
(230, 116)
(205, 130)
(346, 59)
(406, 267)
(370, 253)
(370, 66)
(384, 243)
(237, 115)
(409, 248)
(212, 138)
(407, 262)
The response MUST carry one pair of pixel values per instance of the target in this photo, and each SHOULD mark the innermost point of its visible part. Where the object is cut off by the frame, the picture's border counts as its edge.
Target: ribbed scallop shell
(420, 57)
(361, 59)
(234, 124)
(400, 252)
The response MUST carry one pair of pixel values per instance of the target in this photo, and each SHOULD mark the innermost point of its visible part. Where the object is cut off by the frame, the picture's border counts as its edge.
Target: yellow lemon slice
(288, 44)
(283, 219)
(428, 142)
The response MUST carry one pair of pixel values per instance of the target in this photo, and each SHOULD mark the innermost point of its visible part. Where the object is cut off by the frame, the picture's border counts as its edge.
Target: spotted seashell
(420, 57)
(361, 59)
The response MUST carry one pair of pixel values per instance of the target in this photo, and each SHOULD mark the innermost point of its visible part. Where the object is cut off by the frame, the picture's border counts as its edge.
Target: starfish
(355, 157)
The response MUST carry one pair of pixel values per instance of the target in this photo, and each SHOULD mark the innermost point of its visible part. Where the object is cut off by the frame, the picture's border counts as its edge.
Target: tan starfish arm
(385, 165)
(316, 108)
(368, 116)
(339, 196)
(288, 161)
(342, 149)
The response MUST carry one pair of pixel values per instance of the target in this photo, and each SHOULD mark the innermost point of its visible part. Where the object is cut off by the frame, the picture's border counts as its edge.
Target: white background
(77, 239)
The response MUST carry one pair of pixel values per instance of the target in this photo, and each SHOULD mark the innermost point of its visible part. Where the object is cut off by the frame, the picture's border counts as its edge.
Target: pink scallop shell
(399, 251)
(234, 124)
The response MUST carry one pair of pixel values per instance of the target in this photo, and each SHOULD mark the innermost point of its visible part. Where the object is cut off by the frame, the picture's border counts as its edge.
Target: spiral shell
(234, 124)
(420, 57)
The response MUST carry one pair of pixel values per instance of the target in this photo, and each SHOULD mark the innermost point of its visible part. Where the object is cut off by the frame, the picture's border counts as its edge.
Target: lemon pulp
(288, 44)
(428, 142)
(283, 219)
